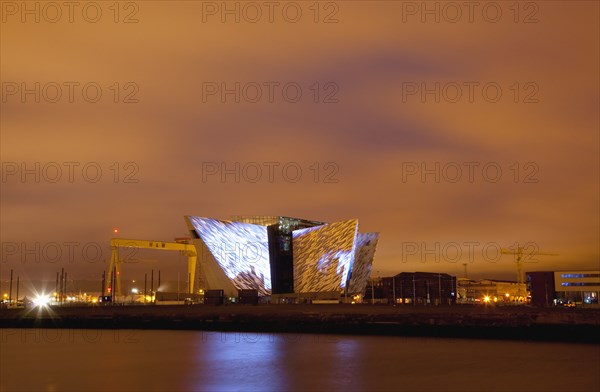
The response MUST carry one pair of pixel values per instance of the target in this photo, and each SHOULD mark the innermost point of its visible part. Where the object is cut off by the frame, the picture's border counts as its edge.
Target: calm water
(104, 360)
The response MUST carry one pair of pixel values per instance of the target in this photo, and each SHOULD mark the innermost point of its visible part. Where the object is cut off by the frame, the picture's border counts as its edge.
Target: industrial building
(564, 287)
(289, 259)
(433, 288)
(420, 288)
(491, 290)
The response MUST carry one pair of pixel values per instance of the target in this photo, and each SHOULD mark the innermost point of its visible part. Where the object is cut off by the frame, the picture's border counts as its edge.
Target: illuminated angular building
(282, 255)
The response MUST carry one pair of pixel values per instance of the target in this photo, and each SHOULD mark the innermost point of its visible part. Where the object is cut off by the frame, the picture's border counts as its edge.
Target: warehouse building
(424, 288)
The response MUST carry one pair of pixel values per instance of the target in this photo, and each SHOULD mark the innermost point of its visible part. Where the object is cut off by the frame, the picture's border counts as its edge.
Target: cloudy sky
(452, 131)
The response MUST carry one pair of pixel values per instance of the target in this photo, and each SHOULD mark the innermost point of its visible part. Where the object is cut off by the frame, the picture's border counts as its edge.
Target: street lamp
(394, 289)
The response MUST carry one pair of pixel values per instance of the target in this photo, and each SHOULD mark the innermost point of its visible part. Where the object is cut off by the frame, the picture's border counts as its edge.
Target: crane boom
(521, 251)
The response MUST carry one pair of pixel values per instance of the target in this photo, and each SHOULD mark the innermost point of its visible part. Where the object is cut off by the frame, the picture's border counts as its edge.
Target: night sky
(386, 93)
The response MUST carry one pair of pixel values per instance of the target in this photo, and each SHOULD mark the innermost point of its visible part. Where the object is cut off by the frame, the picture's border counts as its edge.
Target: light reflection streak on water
(272, 362)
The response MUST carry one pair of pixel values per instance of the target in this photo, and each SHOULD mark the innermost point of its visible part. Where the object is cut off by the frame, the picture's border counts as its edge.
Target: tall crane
(521, 252)
(180, 245)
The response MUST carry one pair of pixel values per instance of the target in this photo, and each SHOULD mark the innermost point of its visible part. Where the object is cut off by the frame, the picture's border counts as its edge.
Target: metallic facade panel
(240, 249)
(366, 243)
(323, 256)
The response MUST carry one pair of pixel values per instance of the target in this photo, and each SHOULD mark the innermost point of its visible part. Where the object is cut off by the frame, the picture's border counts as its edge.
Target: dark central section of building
(281, 252)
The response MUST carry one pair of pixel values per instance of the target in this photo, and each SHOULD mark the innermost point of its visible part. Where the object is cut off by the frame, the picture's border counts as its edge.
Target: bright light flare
(486, 299)
(41, 300)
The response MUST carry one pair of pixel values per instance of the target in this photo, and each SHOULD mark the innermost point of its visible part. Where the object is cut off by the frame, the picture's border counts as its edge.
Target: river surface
(134, 360)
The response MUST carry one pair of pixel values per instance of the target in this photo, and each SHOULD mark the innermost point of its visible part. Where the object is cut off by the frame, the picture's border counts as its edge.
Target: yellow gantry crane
(521, 252)
(182, 245)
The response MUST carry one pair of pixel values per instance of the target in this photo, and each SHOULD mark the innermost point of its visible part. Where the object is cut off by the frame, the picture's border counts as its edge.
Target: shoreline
(456, 321)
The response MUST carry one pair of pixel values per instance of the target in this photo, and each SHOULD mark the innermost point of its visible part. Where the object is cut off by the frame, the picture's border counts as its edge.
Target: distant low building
(491, 290)
(374, 292)
(541, 287)
(564, 287)
(419, 288)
